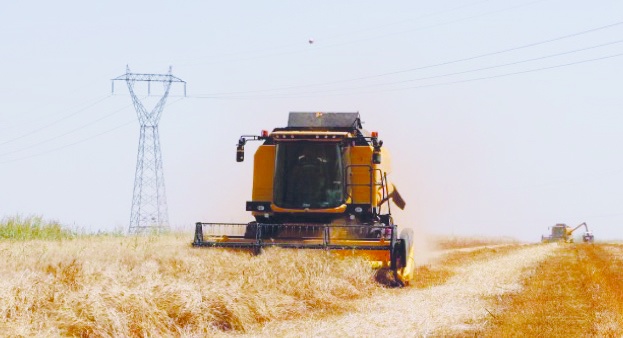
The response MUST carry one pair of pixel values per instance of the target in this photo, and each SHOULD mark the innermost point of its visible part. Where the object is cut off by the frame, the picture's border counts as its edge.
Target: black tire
(406, 249)
(406, 235)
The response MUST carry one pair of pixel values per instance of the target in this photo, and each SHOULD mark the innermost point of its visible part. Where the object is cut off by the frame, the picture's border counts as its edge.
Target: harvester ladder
(372, 183)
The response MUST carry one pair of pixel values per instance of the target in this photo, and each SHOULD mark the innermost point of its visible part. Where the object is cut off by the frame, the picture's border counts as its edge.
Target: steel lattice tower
(149, 201)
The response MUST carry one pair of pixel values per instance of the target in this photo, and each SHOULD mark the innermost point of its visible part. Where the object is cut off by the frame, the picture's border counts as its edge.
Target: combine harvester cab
(321, 183)
(558, 233)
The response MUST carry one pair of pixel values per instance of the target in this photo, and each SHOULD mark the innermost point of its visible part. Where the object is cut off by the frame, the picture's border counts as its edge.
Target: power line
(470, 70)
(431, 65)
(65, 134)
(412, 19)
(516, 62)
(501, 75)
(34, 131)
(305, 50)
(345, 34)
(82, 140)
(422, 86)
(70, 144)
(440, 24)
(524, 71)
(71, 92)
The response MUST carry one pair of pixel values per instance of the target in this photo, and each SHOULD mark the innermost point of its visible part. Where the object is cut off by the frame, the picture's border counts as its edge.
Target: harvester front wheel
(402, 265)
(405, 257)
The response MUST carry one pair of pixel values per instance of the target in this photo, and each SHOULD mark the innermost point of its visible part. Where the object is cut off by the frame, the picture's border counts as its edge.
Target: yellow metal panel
(359, 174)
(378, 258)
(263, 172)
(366, 186)
(360, 158)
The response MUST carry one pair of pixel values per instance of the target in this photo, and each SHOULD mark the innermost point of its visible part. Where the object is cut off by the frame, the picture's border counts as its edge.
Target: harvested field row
(458, 305)
(455, 242)
(447, 263)
(577, 293)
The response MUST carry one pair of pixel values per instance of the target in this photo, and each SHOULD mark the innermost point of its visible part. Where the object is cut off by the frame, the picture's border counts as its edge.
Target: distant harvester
(564, 233)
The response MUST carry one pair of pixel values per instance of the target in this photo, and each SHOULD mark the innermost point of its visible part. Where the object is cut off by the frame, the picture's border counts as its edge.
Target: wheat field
(159, 286)
(155, 286)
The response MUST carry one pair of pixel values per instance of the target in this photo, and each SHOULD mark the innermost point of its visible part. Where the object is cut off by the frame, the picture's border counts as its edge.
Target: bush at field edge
(32, 227)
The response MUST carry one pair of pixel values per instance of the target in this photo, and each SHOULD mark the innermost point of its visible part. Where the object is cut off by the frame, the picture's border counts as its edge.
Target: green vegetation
(32, 227)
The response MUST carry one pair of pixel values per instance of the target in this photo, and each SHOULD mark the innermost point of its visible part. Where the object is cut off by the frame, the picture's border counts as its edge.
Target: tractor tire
(407, 263)
(403, 259)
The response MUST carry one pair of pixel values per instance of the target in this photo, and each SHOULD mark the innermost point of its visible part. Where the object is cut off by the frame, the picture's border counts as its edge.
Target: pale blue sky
(502, 117)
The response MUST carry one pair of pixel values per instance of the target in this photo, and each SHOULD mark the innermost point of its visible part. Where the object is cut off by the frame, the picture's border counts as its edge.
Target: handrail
(371, 182)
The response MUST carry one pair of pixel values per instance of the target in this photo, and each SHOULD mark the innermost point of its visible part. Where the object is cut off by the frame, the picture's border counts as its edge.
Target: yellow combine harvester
(564, 233)
(320, 183)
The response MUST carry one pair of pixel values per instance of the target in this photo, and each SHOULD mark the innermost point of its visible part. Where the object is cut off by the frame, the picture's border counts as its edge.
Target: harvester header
(321, 182)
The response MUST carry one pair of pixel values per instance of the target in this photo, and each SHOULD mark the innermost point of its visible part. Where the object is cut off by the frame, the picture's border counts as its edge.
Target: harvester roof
(301, 120)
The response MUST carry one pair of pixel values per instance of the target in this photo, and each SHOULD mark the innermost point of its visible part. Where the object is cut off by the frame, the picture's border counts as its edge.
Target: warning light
(264, 133)
(375, 134)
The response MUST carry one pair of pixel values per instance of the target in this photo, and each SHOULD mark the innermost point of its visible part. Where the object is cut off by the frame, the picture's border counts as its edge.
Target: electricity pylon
(149, 201)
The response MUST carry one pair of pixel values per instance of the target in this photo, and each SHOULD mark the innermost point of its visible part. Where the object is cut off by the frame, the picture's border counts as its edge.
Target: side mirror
(376, 157)
(239, 153)
(376, 153)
